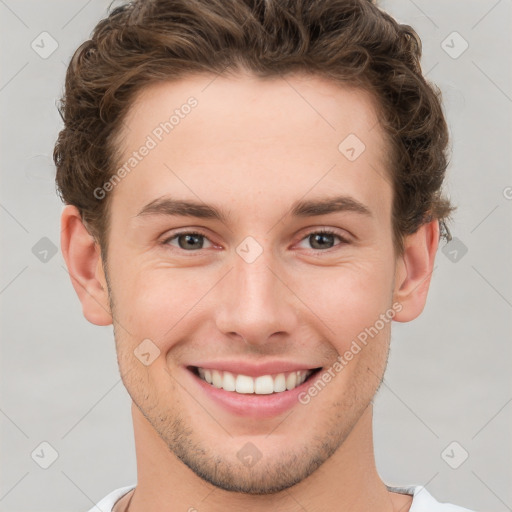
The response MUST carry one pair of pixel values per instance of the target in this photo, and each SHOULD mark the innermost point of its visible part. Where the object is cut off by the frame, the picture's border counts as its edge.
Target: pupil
(194, 240)
(319, 237)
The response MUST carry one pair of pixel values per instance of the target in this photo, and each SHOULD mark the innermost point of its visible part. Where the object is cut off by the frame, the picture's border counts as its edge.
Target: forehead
(240, 136)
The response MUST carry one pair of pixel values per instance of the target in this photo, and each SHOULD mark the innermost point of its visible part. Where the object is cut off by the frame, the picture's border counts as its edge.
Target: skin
(252, 148)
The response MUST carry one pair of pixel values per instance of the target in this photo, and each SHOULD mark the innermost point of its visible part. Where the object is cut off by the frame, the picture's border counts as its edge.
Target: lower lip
(250, 404)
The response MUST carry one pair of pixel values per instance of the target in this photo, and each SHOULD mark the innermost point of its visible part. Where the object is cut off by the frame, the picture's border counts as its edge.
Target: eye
(187, 240)
(191, 241)
(324, 239)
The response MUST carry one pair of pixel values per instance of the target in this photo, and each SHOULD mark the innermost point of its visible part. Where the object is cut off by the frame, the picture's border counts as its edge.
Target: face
(285, 260)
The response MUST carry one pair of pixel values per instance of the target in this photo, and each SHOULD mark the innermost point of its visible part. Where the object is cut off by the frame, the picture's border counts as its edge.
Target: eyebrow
(176, 207)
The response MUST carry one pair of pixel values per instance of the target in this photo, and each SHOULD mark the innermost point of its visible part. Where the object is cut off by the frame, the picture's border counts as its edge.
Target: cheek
(348, 299)
(151, 301)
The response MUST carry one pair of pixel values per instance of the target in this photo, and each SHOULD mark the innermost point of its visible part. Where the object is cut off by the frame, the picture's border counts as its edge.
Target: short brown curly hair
(350, 42)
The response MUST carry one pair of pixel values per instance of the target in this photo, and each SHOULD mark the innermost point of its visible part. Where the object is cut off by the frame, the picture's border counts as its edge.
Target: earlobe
(414, 271)
(83, 260)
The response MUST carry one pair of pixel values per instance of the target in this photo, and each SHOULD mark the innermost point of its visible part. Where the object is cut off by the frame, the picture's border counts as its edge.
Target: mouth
(270, 384)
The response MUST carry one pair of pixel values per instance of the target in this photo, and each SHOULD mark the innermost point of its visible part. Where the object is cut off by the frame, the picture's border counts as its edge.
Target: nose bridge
(256, 303)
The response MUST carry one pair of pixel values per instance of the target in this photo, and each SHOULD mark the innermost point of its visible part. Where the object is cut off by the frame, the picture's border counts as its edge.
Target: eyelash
(321, 231)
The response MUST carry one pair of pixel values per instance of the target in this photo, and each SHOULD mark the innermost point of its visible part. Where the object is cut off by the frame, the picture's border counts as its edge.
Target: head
(262, 113)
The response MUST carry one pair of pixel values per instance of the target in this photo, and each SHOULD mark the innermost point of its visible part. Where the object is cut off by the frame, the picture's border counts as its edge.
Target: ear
(414, 269)
(83, 259)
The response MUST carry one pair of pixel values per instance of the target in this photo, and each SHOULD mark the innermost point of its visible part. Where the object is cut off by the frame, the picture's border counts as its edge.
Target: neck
(348, 480)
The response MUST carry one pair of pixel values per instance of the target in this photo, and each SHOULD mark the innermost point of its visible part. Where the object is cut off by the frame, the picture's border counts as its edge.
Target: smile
(261, 385)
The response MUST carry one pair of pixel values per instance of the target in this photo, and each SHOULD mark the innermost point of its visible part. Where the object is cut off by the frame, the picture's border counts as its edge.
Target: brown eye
(188, 241)
(324, 239)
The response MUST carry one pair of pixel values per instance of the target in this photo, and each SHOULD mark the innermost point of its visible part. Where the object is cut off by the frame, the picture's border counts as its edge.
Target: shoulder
(423, 501)
(106, 504)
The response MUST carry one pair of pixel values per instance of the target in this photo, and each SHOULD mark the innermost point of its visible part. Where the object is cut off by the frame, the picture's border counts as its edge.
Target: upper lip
(245, 367)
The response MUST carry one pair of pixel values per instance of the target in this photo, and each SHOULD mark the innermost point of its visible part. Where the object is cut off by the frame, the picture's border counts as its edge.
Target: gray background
(449, 376)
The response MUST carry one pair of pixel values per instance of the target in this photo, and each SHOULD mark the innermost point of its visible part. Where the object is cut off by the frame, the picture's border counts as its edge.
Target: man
(253, 195)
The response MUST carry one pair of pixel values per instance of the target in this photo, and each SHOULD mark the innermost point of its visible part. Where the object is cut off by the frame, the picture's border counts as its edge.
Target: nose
(255, 302)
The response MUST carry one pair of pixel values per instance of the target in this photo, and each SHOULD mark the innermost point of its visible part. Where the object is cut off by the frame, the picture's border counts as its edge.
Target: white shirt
(422, 500)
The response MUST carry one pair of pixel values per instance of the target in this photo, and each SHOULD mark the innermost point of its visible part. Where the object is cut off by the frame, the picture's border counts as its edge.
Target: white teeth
(229, 383)
(280, 383)
(244, 384)
(291, 381)
(216, 379)
(262, 385)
